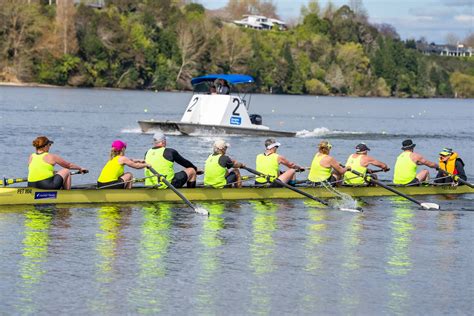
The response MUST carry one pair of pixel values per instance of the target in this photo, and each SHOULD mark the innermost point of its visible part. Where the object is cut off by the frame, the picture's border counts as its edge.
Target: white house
(260, 22)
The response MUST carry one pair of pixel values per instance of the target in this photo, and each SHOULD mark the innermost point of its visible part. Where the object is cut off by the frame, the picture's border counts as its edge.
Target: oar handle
(455, 177)
(283, 184)
(8, 181)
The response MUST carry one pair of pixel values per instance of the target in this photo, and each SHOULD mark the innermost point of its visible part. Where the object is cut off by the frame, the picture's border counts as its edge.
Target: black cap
(362, 147)
(408, 144)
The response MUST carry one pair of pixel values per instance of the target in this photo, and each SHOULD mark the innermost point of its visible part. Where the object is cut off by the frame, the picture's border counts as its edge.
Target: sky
(432, 19)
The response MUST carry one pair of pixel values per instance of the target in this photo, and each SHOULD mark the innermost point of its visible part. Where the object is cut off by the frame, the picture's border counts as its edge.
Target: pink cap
(118, 144)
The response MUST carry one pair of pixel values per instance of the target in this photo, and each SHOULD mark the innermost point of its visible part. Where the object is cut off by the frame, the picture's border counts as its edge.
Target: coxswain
(112, 175)
(359, 162)
(162, 159)
(407, 164)
(216, 172)
(449, 161)
(41, 164)
(325, 168)
(268, 163)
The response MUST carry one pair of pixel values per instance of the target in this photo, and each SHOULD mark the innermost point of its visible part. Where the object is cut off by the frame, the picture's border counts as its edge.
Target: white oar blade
(428, 206)
(346, 209)
(201, 211)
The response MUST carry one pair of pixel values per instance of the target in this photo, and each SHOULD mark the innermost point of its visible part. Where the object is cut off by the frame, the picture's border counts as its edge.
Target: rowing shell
(18, 196)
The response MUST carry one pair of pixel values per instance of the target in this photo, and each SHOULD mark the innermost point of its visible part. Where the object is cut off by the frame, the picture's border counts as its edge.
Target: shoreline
(43, 85)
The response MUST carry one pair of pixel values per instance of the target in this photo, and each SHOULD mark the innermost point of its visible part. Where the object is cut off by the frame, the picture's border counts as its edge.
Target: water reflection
(148, 296)
(34, 255)
(111, 220)
(209, 259)
(350, 267)
(315, 240)
(399, 262)
(262, 250)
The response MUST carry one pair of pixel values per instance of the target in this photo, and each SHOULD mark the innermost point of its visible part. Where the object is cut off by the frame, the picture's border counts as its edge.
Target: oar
(8, 181)
(456, 178)
(283, 184)
(185, 200)
(425, 205)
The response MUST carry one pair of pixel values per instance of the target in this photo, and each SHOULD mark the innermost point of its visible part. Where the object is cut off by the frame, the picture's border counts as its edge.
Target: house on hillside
(260, 22)
(98, 4)
(446, 50)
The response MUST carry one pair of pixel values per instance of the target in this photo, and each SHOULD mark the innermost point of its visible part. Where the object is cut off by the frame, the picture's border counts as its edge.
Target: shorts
(53, 183)
(413, 182)
(331, 180)
(180, 179)
(116, 184)
(230, 179)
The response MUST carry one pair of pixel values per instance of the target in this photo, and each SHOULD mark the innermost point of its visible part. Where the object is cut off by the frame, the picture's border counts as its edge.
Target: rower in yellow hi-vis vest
(359, 162)
(407, 163)
(324, 167)
(268, 163)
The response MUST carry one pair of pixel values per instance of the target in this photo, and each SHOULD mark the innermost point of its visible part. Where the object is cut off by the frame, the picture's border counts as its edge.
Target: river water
(248, 257)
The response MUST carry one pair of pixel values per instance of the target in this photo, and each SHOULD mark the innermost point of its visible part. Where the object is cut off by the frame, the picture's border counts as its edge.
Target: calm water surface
(248, 257)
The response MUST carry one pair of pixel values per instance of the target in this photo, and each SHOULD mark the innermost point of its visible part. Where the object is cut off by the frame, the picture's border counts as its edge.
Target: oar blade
(352, 210)
(202, 211)
(429, 206)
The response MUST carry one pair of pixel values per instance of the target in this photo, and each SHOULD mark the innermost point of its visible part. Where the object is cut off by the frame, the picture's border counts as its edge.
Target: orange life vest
(450, 164)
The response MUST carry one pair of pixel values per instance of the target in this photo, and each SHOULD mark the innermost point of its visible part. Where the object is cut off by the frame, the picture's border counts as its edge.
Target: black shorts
(53, 183)
(413, 182)
(180, 179)
(230, 178)
(332, 180)
(116, 184)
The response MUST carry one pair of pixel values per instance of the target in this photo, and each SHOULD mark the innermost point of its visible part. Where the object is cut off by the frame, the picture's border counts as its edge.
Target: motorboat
(215, 109)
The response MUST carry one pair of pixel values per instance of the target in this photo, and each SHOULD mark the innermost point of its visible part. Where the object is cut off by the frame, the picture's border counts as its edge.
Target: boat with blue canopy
(216, 107)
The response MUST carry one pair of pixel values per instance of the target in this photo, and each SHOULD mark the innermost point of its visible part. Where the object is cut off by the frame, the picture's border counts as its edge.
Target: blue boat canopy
(232, 78)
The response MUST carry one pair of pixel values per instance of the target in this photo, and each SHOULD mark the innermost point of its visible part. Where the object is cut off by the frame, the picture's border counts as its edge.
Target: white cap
(220, 144)
(159, 137)
(271, 143)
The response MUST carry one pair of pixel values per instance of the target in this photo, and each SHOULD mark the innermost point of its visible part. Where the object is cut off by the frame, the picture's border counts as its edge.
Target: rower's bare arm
(337, 166)
(420, 160)
(132, 163)
(55, 159)
(377, 163)
(282, 160)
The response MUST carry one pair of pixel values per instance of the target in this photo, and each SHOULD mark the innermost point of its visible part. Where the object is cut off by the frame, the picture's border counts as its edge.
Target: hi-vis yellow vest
(405, 169)
(319, 173)
(214, 174)
(38, 169)
(450, 165)
(351, 178)
(267, 165)
(163, 166)
(111, 171)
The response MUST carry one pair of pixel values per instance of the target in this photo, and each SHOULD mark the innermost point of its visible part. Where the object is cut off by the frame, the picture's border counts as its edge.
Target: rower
(112, 175)
(407, 163)
(216, 172)
(325, 168)
(268, 164)
(359, 162)
(449, 161)
(162, 159)
(41, 164)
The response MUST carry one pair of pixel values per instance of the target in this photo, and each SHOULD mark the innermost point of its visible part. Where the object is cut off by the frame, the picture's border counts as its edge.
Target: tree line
(162, 44)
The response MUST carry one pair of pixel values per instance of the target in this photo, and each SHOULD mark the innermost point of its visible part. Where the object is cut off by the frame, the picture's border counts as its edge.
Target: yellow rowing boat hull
(18, 196)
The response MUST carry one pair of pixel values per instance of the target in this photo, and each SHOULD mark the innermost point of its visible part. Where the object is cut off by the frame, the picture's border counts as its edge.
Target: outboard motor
(256, 119)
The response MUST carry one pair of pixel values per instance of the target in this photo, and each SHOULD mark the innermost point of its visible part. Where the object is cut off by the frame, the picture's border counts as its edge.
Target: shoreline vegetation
(160, 45)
